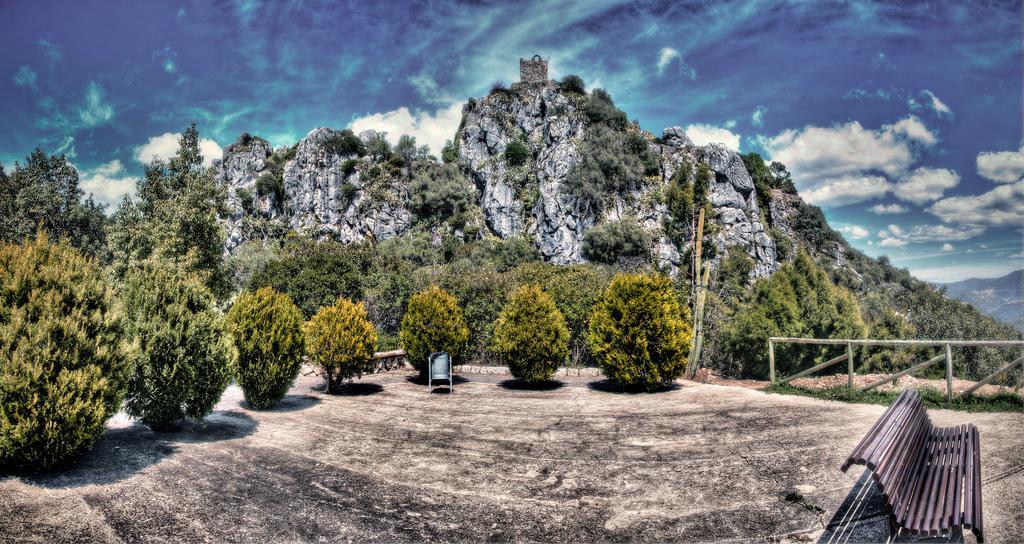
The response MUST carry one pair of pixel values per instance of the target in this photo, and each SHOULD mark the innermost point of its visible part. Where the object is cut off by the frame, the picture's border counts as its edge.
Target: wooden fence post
(949, 373)
(849, 363)
(771, 361)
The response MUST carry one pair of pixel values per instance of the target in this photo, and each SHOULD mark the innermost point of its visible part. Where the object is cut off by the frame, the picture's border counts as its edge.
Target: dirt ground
(579, 462)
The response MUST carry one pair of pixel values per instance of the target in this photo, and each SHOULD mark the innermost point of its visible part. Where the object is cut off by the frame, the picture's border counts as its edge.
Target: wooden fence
(946, 356)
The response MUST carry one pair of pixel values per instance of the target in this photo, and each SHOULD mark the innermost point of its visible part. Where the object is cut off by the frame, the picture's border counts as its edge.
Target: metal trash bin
(439, 369)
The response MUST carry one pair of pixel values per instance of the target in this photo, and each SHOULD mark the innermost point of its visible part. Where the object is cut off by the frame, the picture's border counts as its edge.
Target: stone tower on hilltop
(533, 70)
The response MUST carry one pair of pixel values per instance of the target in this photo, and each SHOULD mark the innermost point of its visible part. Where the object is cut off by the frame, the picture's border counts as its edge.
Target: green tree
(606, 168)
(617, 242)
(63, 369)
(639, 333)
(267, 329)
(440, 193)
(433, 322)
(44, 194)
(572, 84)
(340, 340)
(516, 153)
(797, 301)
(176, 219)
(314, 273)
(182, 355)
(530, 336)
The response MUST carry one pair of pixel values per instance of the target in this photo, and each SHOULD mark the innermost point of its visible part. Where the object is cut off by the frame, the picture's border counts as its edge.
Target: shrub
(600, 109)
(267, 330)
(63, 369)
(639, 333)
(343, 142)
(349, 166)
(530, 336)
(606, 169)
(575, 290)
(797, 301)
(340, 340)
(313, 273)
(433, 322)
(182, 356)
(516, 153)
(245, 199)
(441, 193)
(450, 152)
(616, 241)
(572, 84)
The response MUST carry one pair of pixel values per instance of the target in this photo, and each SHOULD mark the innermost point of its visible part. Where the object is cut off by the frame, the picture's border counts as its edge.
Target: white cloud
(892, 242)
(96, 110)
(428, 128)
(1002, 166)
(938, 106)
(757, 118)
(165, 146)
(702, 134)
(833, 163)
(854, 231)
(931, 233)
(887, 209)
(108, 183)
(925, 184)
(843, 190)
(815, 152)
(947, 247)
(665, 57)
(428, 89)
(669, 54)
(1002, 206)
(913, 129)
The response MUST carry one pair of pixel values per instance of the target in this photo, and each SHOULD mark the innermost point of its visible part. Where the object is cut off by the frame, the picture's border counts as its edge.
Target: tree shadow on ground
(422, 380)
(864, 517)
(290, 403)
(522, 385)
(359, 389)
(122, 452)
(609, 386)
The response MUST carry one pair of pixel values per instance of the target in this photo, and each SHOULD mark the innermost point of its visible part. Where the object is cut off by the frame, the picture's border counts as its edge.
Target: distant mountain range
(1001, 298)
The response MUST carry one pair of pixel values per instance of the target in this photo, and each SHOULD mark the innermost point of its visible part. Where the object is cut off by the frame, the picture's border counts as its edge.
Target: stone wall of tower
(534, 70)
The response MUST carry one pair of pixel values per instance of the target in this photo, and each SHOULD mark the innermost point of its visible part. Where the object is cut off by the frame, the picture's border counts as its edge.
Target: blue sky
(902, 120)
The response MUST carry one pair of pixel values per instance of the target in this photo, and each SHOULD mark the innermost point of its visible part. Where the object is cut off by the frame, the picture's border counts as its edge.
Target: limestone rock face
(328, 194)
(326, 201)
(527, 199)
(323, 198)
(241, 165)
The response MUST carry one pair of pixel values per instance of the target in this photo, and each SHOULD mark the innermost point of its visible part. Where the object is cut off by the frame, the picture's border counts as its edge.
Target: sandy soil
(578, 462)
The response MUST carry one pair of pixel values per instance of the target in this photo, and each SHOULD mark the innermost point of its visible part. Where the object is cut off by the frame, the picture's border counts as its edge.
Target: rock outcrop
(341, 195)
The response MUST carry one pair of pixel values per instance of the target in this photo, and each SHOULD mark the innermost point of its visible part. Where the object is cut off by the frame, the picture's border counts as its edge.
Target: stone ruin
(533, 70)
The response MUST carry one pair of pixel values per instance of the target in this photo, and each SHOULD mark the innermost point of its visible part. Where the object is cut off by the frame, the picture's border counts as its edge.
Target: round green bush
(639, 333)
(530, 336)
(516, 153)
(182, 353)
(433, 322)
(340, 340)
(63, 369)
(267, 329)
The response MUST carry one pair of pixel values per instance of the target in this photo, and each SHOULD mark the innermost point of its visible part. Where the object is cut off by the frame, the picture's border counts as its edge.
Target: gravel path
(490, 462)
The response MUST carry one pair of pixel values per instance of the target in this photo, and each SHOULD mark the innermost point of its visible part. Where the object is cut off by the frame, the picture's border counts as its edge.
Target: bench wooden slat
(929, 476)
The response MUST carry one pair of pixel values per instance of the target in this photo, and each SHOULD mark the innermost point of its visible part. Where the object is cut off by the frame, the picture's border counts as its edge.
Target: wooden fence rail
(947, 356)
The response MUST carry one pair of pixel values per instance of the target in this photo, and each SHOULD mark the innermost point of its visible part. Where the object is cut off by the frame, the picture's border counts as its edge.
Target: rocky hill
(329, 186)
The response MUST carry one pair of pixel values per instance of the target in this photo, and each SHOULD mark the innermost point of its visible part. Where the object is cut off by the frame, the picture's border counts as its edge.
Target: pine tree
(182, 354)
(267, 330)
(530, 336)
(63, 368)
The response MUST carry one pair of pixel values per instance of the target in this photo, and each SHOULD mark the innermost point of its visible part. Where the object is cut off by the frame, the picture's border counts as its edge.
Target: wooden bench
(930, 476)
